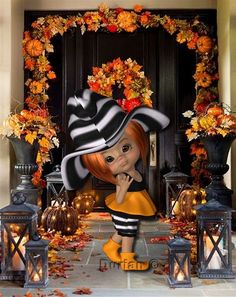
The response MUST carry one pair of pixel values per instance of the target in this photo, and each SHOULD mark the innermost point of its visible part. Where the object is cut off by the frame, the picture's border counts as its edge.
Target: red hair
(96, 164)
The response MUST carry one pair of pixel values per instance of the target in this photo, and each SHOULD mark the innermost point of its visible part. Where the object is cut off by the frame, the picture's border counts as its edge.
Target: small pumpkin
(204, 44)
(215, 110)
(34, 47)
(84, 203)
(60, 218)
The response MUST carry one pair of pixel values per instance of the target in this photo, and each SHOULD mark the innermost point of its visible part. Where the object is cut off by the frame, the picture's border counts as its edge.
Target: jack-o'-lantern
(60, 218)
(188, 198)
(84, 203)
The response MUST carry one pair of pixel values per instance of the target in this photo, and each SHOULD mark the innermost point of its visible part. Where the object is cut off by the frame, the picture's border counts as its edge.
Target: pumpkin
(215, 110)
(204, 44)
(188, 198)
(60, 218)
(84, 203)
(34, 47)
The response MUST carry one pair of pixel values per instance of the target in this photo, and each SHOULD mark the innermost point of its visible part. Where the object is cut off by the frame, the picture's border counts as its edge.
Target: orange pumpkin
(84, 203)
(215, 110)
(60, 218)
(204, 44)
(34, 47)
(187, 200)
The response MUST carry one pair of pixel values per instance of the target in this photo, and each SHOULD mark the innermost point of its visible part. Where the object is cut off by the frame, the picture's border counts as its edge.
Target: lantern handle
(18, 198)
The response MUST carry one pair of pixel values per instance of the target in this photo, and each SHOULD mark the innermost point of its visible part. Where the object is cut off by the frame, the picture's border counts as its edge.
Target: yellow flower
(36, 87)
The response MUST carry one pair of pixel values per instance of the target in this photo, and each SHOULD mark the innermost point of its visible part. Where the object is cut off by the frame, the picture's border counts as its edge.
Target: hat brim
(72, 169)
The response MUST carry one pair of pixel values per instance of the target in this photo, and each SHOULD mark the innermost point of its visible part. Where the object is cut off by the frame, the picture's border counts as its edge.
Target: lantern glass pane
(216, 245)
(15, 236)
(35, 267)
(181, 267)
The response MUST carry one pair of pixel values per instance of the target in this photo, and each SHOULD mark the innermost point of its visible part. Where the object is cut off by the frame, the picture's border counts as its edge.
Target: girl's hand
(123, 183)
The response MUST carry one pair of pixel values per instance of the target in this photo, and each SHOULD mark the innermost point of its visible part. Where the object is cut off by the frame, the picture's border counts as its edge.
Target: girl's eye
(126, 148)
(109, 159)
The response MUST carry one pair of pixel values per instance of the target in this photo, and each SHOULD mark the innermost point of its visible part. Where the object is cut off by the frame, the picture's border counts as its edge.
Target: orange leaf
(82, 291)
(31, 136)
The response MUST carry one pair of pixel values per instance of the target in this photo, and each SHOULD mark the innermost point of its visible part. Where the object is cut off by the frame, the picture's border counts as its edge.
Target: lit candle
(17, 263)
(215, 262)
(37, 276)
(179, 275)
(175, 207)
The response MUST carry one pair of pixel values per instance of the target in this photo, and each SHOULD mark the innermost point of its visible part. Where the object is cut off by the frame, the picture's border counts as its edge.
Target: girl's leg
(116, 237)
(127, 244)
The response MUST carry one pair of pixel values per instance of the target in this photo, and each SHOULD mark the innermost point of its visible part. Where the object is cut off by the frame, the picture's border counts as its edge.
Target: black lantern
(175, 181)
(179, 263)
(214, 240)
(36, 256)
(18, 224)
(55, 187)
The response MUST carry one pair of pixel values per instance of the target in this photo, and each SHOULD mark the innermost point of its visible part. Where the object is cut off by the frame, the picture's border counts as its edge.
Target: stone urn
(217, 148)
(26, 155)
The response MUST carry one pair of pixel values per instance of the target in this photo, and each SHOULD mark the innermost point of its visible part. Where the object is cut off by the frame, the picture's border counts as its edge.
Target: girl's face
(123, 156)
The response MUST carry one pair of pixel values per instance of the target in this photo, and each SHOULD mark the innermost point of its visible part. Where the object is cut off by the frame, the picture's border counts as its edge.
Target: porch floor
(114, 282)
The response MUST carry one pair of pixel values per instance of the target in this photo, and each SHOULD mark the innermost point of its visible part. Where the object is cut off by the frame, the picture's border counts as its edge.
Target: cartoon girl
(111, 143)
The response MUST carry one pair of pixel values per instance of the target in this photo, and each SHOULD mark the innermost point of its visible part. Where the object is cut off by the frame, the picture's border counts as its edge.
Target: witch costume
(96, 123)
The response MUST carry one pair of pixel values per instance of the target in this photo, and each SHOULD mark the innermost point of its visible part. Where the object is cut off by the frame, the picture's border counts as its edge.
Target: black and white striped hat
(96, 123)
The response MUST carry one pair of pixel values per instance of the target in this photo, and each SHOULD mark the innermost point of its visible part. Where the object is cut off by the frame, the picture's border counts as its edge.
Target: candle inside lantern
(175, 207)
(179, 275)
(17, 263)
(215, 262)
(37, 276)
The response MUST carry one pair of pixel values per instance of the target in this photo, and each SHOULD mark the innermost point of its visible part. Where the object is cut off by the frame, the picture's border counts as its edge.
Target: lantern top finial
(175, 173)
(179, 242)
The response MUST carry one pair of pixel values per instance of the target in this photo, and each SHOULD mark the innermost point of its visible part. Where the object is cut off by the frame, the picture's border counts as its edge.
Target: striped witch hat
(96, 123)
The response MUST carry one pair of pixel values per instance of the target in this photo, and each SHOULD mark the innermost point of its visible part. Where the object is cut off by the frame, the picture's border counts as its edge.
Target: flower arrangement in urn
(33, 125)
(214, 120)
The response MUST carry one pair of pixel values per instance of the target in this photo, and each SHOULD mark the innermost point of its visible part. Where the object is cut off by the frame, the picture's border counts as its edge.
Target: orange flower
(144, 19)
(203, 79)
(126, 21)
(51, 75)
(128, 80)
(32, 102)
(138, 8)
(94, 86)
(170, 25)
(30, 64)
(36, 87)
(181, 37)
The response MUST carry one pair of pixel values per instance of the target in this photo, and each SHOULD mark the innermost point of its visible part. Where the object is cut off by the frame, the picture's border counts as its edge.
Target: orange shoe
(129, 263)
(110, 249)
